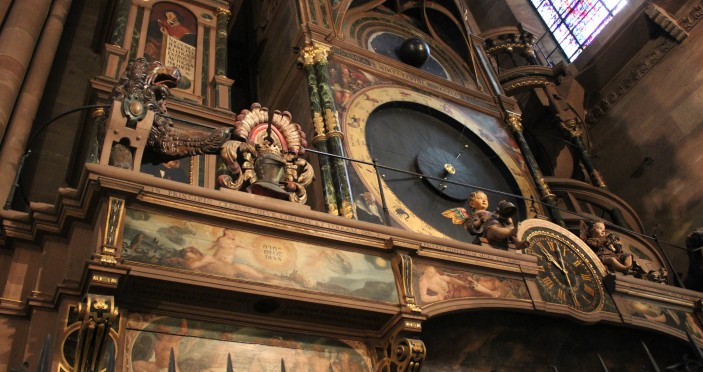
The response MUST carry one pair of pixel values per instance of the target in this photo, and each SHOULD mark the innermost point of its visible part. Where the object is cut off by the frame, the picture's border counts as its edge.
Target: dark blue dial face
(387, 44)
(565, 274)
(422, 140)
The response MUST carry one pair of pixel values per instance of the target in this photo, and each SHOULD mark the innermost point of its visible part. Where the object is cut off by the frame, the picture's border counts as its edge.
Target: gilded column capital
(313, 53)
(223, 11)
(573, 127)
(514, 122)
(529, 50)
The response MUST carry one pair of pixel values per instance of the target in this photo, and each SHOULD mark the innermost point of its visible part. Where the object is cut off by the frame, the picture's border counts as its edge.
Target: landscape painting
(215, 250)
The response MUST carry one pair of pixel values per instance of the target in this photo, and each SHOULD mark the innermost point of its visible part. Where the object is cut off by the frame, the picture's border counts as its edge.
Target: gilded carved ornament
(514, 122)
(223, 11)
(332, 124)
(403, 354)
(347, 209)
(405, 267)
(573, 127)
(332, 209)
(314, 53)
(548, 194)
(266, 156)
(319, 125)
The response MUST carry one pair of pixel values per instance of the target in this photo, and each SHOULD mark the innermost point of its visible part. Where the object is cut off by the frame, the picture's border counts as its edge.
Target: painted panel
(178, 243)
(662, 317)
(205, 346)
(172, 39)
(433, 284)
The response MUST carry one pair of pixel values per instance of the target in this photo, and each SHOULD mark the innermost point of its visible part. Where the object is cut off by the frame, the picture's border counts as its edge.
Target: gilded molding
(113, 226)
(510, 46)
(527, 83)
(335, 134)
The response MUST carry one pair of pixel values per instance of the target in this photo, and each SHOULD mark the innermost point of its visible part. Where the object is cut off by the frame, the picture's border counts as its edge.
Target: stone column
(19, 36)
(28, 102)
(574, 131)
(319, 139)
(514, 122)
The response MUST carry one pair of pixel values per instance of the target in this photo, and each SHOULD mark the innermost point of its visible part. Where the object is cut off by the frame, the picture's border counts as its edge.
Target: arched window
(574, 23)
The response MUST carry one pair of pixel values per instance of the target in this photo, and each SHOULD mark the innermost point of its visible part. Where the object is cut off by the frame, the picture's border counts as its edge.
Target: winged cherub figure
(496, 226)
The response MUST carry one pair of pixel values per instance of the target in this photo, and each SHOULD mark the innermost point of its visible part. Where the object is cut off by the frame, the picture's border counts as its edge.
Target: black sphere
(414, 52)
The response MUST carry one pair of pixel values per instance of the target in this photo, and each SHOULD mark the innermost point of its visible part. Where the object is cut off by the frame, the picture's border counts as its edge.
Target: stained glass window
(574, 23)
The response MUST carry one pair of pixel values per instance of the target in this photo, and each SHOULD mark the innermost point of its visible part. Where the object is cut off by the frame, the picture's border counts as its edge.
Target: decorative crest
(265, 159)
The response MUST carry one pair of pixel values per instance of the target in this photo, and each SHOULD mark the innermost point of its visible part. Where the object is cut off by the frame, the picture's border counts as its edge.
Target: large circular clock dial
(413, 132)
(422, 140)
(568, 272)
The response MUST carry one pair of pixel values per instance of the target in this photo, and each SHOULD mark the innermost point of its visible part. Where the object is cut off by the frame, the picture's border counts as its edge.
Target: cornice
(658, 49)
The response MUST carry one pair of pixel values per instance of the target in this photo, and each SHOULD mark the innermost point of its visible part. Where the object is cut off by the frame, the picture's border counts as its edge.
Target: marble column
(514, 122)
(334, 135)
(20, 124)
(221, 42)
(19, 36)
(574, 130)
(120, 27)
(319, 140)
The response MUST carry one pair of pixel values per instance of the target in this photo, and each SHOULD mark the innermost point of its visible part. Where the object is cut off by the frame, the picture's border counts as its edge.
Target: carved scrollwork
(403, 354)
(96, 314)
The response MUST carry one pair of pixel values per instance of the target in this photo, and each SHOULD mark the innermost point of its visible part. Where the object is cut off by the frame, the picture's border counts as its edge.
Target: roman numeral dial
(567, 273)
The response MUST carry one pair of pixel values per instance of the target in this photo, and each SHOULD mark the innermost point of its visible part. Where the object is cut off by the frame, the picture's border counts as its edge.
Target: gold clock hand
(552, 260)
(568, 280)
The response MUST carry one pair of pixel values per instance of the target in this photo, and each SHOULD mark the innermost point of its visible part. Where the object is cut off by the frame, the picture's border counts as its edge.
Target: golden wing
(457, 215)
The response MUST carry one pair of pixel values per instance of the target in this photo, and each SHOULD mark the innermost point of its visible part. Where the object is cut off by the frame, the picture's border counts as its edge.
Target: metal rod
(650, 357)
(668, 263)
(386, 214)
(16, 183)
(697, 350)
(18, 177)
(381, 166)
(602, 363)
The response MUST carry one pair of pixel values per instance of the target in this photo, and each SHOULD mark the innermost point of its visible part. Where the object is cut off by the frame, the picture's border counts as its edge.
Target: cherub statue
(607, 246)
(496, 226)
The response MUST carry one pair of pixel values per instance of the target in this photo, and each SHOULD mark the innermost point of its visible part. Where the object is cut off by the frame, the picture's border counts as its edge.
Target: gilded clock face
(568, 271)
(407, 131)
